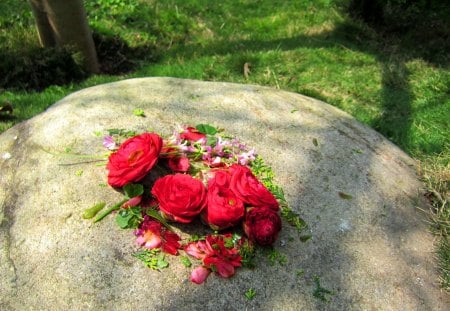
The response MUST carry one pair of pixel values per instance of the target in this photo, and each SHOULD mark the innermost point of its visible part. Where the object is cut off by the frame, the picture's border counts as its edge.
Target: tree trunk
(64, 22)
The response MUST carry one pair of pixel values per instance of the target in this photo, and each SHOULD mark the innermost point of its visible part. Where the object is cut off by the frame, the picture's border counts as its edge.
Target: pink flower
(199, 275)
(152, 234)
(108, 142)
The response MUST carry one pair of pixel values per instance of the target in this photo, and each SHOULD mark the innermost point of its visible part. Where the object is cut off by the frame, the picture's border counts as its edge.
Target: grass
(398, 87)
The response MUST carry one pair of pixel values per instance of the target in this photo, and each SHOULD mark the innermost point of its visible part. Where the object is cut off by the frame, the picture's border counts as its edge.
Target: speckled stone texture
(372, 251)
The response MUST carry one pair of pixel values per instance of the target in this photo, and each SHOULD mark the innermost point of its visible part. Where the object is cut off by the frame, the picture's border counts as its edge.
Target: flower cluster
(196, 173)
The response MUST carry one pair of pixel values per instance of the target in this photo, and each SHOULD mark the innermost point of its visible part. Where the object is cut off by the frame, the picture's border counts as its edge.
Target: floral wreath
(196, 173)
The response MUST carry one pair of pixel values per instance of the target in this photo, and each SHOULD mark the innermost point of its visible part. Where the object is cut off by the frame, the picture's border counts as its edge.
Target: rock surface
(372, 251)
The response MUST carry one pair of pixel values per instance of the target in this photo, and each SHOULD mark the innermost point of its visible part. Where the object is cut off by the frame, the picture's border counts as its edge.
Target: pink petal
(151, 240)
(132, 202)
(193, 249)
(199, 275)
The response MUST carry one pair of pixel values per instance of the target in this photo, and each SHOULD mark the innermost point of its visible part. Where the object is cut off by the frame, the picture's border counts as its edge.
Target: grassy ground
(399, 88)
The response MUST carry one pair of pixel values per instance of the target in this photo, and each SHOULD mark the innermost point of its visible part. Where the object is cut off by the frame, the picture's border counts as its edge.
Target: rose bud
(262, 225)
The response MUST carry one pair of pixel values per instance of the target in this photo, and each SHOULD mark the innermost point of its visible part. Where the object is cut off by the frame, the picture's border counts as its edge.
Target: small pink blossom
(109, 143)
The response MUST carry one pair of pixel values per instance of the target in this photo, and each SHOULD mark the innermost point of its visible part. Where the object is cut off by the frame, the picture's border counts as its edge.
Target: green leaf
(133, 190)
(305, 238)
(320, 292)
(92, 211)
(122, 220)
(129, 218)
(79, 172)
(185, 261)
(206, 129)
(293, 218)
(345, 196)
(162, 262)
(211, 140)
(139, 112)
(250, 294)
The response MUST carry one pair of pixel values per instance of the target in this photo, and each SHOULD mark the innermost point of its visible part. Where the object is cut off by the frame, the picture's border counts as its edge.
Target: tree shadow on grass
(37, 68)
(392, 54)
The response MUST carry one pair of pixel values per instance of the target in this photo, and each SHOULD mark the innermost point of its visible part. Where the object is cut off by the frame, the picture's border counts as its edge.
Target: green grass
(398, 87)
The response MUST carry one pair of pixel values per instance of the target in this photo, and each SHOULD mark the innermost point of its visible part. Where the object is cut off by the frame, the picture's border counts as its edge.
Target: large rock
(372, 251)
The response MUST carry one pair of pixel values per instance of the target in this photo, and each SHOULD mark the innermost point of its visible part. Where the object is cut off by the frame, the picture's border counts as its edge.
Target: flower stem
(110, 210)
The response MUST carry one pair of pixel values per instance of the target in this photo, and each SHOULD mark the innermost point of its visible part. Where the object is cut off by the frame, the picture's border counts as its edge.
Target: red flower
(215, 257)
(192, 134)
(134, 159)
(152, 234)
(262, 225)
(224, 208)
(249, 189)
(181, 197)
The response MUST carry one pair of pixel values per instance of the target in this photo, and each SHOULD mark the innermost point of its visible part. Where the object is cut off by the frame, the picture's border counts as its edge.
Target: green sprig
(152, 258)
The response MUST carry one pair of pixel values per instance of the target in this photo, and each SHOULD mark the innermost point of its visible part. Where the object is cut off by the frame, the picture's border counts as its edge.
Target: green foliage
(152, 258)
(139, 112)
(186, 261)
(129, 218)
(250, 294)
(123, 133)
(248, 252)
(266, 176)
(206, 129)
(133, 190)
(320, 292)
(443, 254)
(274, 256)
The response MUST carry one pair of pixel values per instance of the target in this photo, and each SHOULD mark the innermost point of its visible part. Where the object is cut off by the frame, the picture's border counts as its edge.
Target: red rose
(192, 134)
(224, 208)
(134, 159)
(262, 225)
(181, 197)
(249, 189)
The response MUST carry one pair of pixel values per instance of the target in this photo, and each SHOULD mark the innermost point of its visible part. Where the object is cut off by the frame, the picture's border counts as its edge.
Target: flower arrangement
(198, 174)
